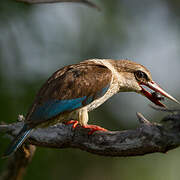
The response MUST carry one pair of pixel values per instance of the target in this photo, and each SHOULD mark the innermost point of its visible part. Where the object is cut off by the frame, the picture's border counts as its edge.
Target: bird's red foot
(94, 128)
(74, 122)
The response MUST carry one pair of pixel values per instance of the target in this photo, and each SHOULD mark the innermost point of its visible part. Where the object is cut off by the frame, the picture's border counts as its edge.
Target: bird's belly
(67, 116)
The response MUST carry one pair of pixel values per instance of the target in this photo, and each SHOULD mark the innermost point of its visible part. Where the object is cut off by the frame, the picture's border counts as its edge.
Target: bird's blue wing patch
(52, 108)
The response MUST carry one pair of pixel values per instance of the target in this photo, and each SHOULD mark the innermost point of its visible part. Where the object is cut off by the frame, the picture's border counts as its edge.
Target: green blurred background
(36, 40)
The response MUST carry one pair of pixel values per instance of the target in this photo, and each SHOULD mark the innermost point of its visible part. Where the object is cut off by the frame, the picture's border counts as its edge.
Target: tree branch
(86, 2)
(147, 138)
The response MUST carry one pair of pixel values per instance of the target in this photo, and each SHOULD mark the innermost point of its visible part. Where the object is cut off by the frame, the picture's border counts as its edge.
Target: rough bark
(147, 138)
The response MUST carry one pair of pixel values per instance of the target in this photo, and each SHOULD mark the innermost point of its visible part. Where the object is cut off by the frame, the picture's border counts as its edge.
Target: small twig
(164, 109)
(3, 127)
(18, 163)
(21, 117)
(142, 119)
(86, 2)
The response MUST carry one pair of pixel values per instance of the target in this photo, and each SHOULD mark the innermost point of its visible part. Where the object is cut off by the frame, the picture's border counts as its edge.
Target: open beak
(152, 85)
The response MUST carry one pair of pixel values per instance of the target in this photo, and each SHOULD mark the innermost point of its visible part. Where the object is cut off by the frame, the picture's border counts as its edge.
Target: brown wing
(70, 88)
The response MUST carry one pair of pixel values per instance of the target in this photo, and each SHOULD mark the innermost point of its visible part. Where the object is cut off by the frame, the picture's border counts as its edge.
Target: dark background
(37, 40)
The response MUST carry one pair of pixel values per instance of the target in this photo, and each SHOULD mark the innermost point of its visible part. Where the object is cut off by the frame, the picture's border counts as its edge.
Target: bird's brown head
(135, 77)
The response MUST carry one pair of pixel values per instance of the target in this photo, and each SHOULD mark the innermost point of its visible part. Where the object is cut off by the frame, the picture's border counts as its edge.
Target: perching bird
(71, 92)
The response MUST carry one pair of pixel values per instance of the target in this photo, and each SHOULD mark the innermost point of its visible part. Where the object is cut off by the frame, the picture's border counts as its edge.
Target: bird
(75, 90)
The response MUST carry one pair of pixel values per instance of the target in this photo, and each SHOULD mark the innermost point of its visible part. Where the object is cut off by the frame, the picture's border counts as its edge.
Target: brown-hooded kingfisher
(74, 90)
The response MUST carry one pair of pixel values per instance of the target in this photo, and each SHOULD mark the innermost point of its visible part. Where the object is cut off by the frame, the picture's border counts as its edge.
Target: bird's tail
(17, 142)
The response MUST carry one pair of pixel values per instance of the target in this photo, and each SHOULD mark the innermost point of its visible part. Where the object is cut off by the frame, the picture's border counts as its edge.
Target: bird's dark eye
(141, 76)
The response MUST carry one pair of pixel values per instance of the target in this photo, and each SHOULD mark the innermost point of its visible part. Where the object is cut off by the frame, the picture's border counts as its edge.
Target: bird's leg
(83, 119)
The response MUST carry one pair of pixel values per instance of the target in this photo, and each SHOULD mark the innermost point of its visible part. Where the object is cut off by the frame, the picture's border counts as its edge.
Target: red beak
(152, 85)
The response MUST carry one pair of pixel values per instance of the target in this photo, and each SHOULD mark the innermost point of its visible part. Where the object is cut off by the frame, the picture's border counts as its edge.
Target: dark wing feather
(69, 88)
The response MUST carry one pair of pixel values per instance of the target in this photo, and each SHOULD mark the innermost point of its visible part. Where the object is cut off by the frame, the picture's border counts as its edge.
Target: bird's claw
(74, 122)
(94, 128)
